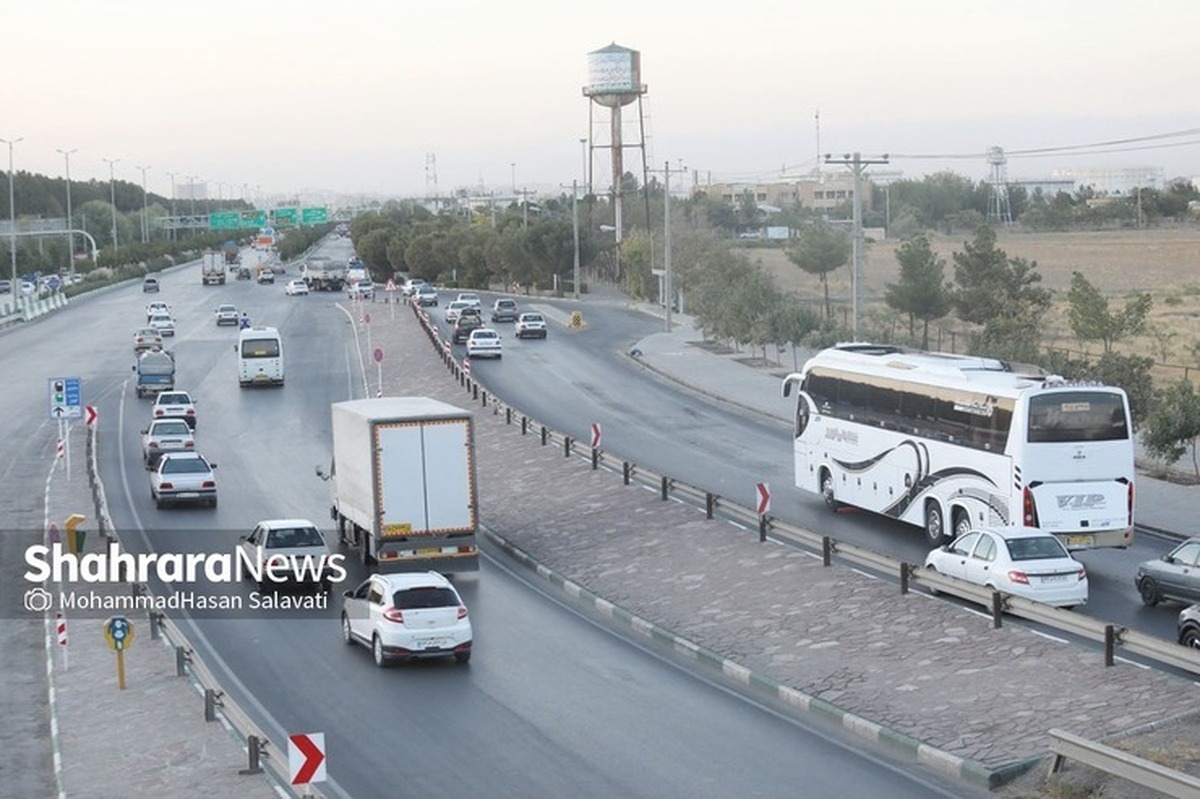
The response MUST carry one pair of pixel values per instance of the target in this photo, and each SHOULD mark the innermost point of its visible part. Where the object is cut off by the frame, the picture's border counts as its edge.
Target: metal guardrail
(1066, 746)
(1110, 635)
(258, 746)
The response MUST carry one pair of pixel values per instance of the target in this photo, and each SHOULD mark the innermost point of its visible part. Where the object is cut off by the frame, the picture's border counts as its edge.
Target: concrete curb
(897, 743)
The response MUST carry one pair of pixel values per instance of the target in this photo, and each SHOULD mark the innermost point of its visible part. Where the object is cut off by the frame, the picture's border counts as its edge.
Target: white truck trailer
(212, 268)
(403, 480)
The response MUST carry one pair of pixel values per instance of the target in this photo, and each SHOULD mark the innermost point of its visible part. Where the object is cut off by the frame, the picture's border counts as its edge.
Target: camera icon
(38, 600)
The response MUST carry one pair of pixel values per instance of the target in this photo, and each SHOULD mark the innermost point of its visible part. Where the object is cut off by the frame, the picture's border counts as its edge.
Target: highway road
(550, 704)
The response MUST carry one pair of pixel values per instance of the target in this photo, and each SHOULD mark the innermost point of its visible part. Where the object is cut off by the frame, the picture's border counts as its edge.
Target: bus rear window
(260, 348)
(1066, 416)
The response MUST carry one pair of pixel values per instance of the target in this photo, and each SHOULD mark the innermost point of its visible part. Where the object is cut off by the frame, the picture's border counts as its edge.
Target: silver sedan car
(1174, 576)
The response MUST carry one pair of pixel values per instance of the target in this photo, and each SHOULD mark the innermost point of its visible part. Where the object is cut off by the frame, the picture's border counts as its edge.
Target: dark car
(1174, 576)
(505, 310)
(470, 319)
(243, 273)
(150, 285)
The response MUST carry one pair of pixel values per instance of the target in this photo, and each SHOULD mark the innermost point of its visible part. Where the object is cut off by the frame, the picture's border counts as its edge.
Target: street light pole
(575, 225)
(587, 184)
(174, 220)
(12, 215)
(70, 219)
(112, 193)
(192, 196)
(145, 216)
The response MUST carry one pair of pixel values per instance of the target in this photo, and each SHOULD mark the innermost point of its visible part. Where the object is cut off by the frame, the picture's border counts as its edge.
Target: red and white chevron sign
(60, 627)
(764, 498)
(595, 435)
(306, 758)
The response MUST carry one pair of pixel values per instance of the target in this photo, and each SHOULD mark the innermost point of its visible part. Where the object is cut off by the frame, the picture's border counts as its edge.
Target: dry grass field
(1164, 263)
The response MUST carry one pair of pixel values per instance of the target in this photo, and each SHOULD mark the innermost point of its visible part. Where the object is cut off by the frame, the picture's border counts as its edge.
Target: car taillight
(158, 412)
(152, 445)
(1129, 503)
(191, 412)
(1030, 508)
(166, 485)
(1081, 574)
(1018, 577)
(189, 443)
(392, 614)
(462, 611)
(209, 484)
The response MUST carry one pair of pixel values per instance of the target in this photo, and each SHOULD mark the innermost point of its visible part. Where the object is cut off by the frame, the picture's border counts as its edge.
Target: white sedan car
(163, 323)
(183, 477)
(484, 343)
(454, 310)
(287, 551)
(1023, 561)
(163, 436)
(296, 287)
(407, 616)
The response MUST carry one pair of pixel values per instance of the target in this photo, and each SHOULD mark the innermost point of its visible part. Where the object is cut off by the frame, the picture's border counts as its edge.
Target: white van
(260, 357)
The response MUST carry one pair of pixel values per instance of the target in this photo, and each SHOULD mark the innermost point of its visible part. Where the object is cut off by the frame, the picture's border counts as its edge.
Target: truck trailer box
(404, 487)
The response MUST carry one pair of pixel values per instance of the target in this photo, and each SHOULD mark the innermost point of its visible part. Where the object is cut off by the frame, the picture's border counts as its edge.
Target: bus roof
(942, 369)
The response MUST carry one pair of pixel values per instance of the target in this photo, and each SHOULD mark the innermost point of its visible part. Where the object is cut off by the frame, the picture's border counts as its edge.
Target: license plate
(188, 495)
(429, 551)
(1080, 540)
(1054, 578)
(433, 643)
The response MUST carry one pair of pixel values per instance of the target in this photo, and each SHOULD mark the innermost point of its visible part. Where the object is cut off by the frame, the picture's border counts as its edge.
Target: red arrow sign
(764, 498)
(306, 757)
(91, 414)
(595, 435)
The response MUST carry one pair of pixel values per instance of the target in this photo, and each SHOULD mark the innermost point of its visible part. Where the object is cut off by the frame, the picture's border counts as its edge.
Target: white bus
(948, 442)
(259, 357)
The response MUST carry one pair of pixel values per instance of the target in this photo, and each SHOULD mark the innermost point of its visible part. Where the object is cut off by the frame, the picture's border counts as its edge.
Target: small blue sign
(66, 398)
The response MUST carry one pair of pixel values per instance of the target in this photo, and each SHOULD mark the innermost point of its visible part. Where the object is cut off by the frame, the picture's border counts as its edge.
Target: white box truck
(213, 268)
(403, 477)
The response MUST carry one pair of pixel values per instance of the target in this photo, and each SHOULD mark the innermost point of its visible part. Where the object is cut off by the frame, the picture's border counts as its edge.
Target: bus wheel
(935, 526)
(962, 523)
(827, 490)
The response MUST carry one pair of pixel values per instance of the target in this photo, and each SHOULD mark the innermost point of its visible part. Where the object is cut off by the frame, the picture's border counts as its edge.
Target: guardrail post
(710, 502)
(664, 488)
(255, 750)
(905, 571)
(997, 609)
(474, 390)
(210, 704)
(545, 435)
(181, 661)
(508, 415)
(826, 550)
(524, 425)
(155, 618)
(595, 459)
(762, 528)
(626, 471)
(566, 446)
(1110, 643)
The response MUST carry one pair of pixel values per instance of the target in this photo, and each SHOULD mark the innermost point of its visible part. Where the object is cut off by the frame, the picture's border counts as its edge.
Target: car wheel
(347, 636)
(463, 657)
(935, 525)
(1148, 588)
(827, 492)
(377, 651)
(1190, 637)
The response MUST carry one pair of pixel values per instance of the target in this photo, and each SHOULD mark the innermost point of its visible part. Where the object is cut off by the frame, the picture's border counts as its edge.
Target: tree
(820, 249)
(1174, 424)
(922, 292)
(1091, 319)
(1001, 294)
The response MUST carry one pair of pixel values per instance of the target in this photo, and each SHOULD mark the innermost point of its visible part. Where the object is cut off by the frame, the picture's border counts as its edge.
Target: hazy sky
(354, 96)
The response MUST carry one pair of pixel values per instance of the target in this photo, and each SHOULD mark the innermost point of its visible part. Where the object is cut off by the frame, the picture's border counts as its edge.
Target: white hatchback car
(484, 343)
(1023, 561)
(296, 287)
(407, 616)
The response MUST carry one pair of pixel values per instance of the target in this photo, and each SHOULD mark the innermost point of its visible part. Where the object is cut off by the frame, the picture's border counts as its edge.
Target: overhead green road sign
(226, 220)
(254, 218)
(284, 217)
(314, 216)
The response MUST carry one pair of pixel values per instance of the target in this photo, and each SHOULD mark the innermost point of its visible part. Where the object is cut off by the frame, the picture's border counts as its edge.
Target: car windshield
(149, 332)
(184, 466)
(1039, 548)
(295, 537)
(173, 399)
(169, 429)
(531, 317)
(227, 309)
(428, 596)
(482, 334)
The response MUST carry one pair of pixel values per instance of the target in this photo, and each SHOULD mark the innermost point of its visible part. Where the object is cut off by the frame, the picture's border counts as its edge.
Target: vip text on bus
(949, 442)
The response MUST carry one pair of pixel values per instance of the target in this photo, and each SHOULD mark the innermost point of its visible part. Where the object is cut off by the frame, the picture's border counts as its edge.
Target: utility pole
(145, 216)
(668, 290)
(857, 164)
(70, 219)
(112, 193)
(575, 230)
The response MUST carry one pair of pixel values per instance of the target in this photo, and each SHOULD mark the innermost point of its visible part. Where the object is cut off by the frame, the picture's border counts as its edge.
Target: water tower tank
(614, 76)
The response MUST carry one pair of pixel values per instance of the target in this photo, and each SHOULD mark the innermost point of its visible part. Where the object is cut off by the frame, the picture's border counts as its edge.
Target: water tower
(615, 81)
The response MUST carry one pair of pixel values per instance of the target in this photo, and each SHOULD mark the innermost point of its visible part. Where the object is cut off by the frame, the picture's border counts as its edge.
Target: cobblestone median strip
(926, 678)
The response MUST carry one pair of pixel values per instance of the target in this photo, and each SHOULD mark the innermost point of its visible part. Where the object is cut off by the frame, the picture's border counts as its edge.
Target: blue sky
(356, 96)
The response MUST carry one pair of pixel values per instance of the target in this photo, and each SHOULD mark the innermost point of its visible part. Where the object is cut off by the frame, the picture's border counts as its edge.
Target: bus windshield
(260, 348)
(1070, 416)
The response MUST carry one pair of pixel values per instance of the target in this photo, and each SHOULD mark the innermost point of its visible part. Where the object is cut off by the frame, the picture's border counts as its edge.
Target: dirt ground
(1176, 745)
(1163, 262)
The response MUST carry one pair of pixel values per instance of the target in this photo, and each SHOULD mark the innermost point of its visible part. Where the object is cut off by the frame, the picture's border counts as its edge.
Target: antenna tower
(999, 211)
